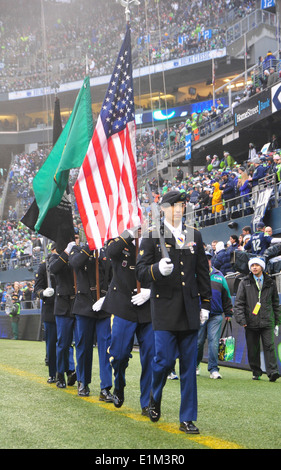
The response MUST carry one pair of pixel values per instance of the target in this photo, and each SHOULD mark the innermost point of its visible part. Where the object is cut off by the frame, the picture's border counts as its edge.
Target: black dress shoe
(273, 377)
(83, 390)
(188, 427)
(106, 396)
(154, 409)
(51, 380)
(118, 398)
(60, 381)
(71, 377)
(145, 411)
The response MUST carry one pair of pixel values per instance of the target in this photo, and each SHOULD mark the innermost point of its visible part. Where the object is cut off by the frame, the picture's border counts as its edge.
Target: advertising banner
(252, 110)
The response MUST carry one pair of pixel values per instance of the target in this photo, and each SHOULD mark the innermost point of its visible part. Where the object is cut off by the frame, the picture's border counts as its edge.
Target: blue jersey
(258, 243)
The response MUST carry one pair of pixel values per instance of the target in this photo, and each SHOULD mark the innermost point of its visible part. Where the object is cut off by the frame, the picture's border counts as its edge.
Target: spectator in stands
(265, 78)
(273, 143)
(215, 162)
(246, 232)
(221, 259)
(234, 243)
(194, 194)
(235, 103)
(258, 242)
(204, 201)
(228, 159)
(269, 60)
(228, 189)
(243, 184)
(6, 296)
(220, 106)
(277, 160)
(217, 205)
(17, 290)
(273, 76)
(28, 296)
(252, 152)
(179, 175)
(213, 247)
(268, 232)
(209, 165)
(258, 174)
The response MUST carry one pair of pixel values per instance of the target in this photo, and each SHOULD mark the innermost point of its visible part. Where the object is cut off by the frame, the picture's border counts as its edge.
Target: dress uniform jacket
(175, 299)
(122, 253)
(65, 289)
(41, 283)
(83, 261)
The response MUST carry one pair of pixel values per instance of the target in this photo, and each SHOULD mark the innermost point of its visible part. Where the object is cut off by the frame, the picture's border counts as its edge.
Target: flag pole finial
(125, 4)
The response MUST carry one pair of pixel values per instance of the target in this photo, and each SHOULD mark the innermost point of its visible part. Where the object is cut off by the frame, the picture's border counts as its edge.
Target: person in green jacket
(229, 160)
(15, 315)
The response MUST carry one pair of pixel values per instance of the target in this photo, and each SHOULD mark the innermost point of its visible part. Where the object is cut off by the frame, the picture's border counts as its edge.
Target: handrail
(248, 23)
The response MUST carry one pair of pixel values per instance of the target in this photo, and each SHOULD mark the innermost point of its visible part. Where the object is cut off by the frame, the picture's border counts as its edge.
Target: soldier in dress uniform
(65, 320)
(89, 321)
(47, 295)
(130, 315)
(180, 298)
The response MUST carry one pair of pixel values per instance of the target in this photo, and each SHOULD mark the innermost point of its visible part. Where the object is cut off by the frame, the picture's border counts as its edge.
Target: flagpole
(125, 4)
(87, 65)
(97, 274)
(47, 262)
(213, 80)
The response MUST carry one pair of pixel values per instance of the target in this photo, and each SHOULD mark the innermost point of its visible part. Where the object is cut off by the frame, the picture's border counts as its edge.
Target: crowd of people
(223, 183)
(213, 190)
(51, 48)
(158, 144)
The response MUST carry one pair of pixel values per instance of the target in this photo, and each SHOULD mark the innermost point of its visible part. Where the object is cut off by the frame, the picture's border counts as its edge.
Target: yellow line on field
(207, 441)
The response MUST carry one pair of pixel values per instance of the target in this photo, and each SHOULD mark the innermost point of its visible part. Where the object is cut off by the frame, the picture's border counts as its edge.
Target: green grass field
(233, 413)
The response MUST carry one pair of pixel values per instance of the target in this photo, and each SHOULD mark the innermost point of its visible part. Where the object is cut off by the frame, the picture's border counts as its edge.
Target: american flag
(106, 187)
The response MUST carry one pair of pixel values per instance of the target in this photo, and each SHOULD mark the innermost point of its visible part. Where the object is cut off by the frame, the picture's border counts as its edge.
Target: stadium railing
(248, 23)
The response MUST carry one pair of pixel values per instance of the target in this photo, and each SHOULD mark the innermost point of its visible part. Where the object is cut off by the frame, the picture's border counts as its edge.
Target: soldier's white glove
(48, 292)
(204, 315)
(69, 247)
(276, 330)
(98, 304)
(134, 231)
(141, 297)
(165, 266)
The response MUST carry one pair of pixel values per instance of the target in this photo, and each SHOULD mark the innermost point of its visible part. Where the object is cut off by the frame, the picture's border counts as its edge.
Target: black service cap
(172, 197)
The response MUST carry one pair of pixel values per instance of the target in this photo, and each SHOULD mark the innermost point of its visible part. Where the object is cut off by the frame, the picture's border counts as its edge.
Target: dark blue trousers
(86, 328)
(65, 334)
(168, 347)
(51, 340)
(122, 342)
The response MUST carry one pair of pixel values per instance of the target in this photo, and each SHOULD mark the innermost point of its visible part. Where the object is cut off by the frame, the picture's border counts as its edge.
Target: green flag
(70, 149)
